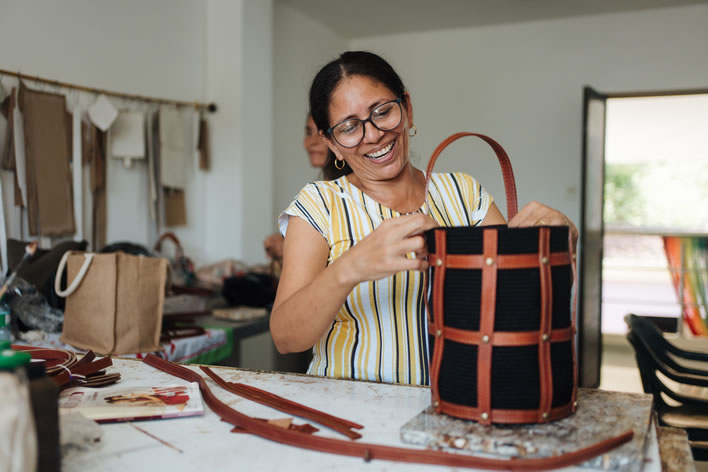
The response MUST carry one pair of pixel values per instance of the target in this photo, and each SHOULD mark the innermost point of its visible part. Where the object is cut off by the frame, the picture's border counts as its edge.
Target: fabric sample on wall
(173, 150)
(20, 156)
(175, 207)
(8, 152)
(102, 113)
(127, 136)
(203, 145)
(47, 147)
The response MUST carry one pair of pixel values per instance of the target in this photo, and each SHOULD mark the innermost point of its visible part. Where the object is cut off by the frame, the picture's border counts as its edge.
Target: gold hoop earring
(335, 164)
(412, 131)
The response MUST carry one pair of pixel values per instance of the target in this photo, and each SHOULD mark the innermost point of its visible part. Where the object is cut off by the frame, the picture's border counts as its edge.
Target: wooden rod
(211, 107)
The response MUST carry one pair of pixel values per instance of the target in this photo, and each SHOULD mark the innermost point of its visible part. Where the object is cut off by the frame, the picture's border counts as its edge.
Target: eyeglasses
(385, 117)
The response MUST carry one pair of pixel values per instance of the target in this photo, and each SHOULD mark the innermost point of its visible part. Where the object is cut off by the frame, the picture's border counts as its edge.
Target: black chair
(654, 354)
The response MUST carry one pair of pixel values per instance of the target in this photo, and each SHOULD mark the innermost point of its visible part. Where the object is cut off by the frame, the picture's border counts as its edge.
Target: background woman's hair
(350, 63)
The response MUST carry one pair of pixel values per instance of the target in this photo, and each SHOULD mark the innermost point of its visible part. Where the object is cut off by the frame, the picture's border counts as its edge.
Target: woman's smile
(382, 154)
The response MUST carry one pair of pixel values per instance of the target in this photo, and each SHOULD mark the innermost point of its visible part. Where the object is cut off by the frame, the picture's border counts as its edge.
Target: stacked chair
(674, 406)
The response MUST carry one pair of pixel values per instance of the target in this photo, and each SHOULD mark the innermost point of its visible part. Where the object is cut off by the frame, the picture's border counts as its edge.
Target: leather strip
(574, 305)
(505, 416)
(487, 313)
(438, 316)
(504, 261)
(502, 157)
(544, 346)
(505, 338)
(369, 451)
(285, 405)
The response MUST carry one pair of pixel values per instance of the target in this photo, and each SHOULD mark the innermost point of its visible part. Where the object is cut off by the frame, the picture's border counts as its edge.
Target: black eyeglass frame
(330, 131)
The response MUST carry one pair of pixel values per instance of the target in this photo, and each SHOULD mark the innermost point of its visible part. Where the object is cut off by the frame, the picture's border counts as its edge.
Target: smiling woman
(353, 275)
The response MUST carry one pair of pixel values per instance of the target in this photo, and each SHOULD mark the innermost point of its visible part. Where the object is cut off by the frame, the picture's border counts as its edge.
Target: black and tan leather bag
(500, 320)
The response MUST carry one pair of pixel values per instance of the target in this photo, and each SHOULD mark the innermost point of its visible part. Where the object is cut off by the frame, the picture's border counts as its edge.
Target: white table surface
(208, 444)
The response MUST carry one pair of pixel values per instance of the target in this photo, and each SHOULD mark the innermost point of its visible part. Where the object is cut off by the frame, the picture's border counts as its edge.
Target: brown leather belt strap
(487, 313)
(285, 405)
(375, 451)
(503, 338)
(438, 308)
(544, 344)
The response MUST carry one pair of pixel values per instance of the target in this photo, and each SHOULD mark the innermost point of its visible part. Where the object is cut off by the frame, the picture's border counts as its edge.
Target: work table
(207, 444)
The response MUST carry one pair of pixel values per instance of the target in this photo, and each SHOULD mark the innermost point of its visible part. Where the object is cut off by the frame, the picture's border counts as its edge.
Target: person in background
(317, 152)
(352, 283)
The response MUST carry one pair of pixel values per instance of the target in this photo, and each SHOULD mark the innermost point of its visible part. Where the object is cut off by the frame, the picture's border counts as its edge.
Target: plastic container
(5, 334)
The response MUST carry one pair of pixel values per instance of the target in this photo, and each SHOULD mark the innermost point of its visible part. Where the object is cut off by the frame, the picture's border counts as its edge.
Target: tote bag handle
(77, 280)
(507, 172)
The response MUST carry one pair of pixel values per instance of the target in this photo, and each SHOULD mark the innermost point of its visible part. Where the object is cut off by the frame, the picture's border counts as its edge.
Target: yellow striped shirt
(380, 332)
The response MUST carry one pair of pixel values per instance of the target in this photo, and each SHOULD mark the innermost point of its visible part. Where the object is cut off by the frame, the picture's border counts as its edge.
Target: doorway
(645, 176)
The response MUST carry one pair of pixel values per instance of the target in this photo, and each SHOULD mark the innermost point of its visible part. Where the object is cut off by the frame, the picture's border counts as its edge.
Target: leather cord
(369, 451)
(283, 404)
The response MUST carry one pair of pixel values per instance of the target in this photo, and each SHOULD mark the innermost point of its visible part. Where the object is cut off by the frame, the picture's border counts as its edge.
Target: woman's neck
(404, 193)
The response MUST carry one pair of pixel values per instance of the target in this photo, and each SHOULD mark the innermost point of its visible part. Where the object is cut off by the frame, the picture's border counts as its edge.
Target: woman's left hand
(538, 214)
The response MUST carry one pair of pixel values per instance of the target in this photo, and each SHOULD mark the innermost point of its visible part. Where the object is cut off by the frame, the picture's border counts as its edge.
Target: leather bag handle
(507, 172)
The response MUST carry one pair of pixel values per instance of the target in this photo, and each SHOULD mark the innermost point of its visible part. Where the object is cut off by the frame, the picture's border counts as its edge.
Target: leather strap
(544, 340)
(507, 172)
(487, 313)
(369, 451)
(283, 404)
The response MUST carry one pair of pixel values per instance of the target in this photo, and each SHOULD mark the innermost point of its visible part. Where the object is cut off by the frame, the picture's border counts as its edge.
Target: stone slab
(600, 415)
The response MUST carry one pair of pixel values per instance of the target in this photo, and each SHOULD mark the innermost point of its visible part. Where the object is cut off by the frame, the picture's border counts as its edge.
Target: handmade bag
(113, 301)
(499, 318)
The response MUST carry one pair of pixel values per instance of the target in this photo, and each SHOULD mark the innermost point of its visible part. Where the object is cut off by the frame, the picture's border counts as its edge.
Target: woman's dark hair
(350, 63)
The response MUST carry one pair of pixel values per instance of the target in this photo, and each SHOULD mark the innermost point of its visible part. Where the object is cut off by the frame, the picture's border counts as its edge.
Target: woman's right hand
(395, 246)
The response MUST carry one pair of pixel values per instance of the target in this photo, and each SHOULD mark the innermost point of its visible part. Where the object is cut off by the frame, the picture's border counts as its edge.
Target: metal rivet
(484, 416)
(439, 262)
(438, 333)
(436, 404)
(545, 415)
(544, 337)
(489, 261)
(575, 405)
(544, 260)
(485, 339)
(574, 257)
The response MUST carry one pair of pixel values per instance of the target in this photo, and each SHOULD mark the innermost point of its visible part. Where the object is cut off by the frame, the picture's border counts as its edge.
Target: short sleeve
(311, 206)
(476, 199)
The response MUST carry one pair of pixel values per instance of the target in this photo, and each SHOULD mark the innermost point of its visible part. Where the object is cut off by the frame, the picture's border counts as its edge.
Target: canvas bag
(113, 301)
(501, 327)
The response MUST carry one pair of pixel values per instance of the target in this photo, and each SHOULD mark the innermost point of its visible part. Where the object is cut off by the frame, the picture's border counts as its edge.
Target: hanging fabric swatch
(20, 156)
(175, 207)
(173, 150)
(127, 137)
(203, 145)
(8, 152)
(102, 113)
(48, 148)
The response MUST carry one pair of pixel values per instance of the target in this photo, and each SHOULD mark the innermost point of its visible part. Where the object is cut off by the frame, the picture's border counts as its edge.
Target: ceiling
(360, 18)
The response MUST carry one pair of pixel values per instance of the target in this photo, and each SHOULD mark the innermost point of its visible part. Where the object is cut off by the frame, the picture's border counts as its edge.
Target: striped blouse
(380, 332)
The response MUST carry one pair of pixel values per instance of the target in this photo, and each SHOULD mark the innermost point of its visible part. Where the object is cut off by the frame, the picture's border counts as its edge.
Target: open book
(132, 403)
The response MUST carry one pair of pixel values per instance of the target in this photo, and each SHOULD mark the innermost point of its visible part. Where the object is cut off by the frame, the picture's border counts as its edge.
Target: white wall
(302, 47)
(522, 84)
(219, 50)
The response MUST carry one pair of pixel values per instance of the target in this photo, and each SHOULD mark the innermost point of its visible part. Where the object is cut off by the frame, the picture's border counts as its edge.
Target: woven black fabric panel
(462, 298)
(468, 239)
(515, 378)
(562, 368)
(458, 374)
(518, 303)
(562, 277)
